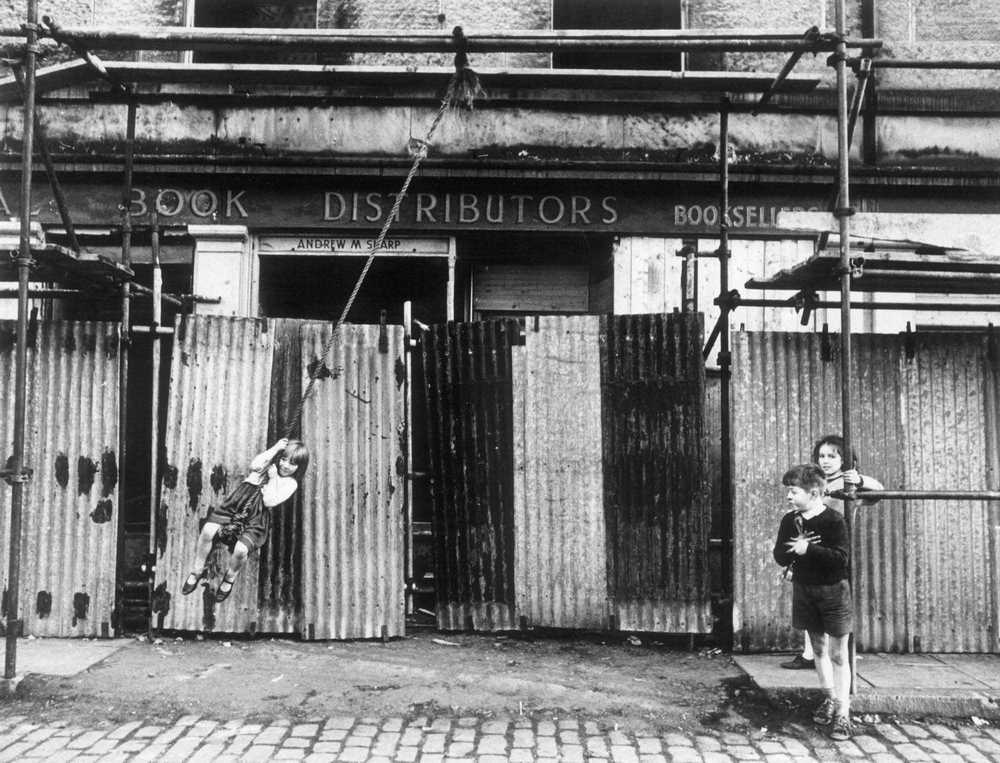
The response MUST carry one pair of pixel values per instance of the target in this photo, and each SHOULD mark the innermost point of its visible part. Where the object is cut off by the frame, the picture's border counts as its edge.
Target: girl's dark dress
(243, 517)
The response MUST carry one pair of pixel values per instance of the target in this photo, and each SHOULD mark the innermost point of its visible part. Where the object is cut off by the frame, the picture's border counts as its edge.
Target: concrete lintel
(971, 233)
(217, 232)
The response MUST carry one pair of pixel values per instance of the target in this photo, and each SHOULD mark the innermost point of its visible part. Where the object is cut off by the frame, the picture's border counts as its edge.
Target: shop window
(622, 14)
(249, 14)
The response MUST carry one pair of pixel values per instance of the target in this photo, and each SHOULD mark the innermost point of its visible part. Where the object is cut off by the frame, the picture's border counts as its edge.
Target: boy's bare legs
(837, 647)
(827, 709)
(824, 666)
(833, 667)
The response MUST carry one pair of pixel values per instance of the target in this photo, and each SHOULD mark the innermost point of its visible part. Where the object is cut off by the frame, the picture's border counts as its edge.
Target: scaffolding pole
(724, 357)
(124, 342)
(843, 212)
(18, 474)
(375, 40)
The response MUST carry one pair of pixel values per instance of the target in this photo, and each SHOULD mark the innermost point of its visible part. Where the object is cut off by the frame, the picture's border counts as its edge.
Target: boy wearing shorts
(813, 541)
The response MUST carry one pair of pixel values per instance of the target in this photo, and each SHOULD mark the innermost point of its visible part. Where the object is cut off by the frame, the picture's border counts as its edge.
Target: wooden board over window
(519, 288)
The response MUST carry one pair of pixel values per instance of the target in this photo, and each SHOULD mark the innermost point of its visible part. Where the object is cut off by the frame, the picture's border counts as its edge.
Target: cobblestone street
(191, 738)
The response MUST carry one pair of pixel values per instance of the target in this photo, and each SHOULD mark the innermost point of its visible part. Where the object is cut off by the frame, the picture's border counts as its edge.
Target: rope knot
(461, 49)
(418, 147)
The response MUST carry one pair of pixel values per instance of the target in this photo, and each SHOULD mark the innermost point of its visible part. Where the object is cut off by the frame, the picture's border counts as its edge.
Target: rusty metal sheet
(217, 420)
(560, 564)
(279, 566)
(918, 424)
(991, 372)
(470, 409)
(70, 510)
(949, 564)
(352, 542)
(656, 502)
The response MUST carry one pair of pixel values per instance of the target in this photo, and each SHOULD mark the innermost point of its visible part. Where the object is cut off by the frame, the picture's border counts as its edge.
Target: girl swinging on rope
(243, 519)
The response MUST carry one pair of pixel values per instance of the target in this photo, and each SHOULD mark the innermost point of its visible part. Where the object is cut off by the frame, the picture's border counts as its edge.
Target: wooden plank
(531, 288)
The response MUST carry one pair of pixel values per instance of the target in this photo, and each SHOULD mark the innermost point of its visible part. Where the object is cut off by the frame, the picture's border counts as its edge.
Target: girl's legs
(204, 545)
(807, 648)
(236, 561)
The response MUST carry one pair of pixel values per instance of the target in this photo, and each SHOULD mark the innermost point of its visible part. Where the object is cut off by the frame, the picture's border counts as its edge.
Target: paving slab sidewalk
(947, 685)
(62, 656)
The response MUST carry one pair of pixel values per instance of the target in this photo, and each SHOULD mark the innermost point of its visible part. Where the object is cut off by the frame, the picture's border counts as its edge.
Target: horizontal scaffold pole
(216, 38)
(898, 63)
(922, 495)
(957, 307)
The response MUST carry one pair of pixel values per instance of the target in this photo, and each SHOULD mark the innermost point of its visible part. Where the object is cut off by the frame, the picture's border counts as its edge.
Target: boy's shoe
(841, 730)
(823, 715)
(799, 663)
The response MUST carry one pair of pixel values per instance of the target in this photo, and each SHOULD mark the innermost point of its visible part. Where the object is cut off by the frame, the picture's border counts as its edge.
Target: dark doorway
(319, 287)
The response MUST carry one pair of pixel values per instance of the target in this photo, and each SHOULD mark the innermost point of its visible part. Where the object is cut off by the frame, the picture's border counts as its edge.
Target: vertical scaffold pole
(124, 343)
(21, 354)
(843, 212)
(724, 358)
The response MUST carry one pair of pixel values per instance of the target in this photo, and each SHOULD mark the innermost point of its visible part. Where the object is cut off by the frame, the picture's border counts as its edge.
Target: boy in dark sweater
(813, 542)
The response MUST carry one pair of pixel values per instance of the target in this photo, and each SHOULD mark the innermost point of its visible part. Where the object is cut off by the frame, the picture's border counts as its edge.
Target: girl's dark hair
(805, 476)
(838, 442)
(297, 452)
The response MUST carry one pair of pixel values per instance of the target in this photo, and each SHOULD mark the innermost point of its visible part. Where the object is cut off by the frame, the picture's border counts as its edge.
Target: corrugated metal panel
(279, 567)
(917, 424)
(948, 551)
(69, 532)
(560, 564)
(352, 539)
(992, 400)
(657, 507)
(878, 531)
(720, 528)
(217, 420)
(469, 402)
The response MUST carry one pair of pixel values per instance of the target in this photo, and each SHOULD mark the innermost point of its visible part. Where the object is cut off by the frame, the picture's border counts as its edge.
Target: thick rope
(419, 155)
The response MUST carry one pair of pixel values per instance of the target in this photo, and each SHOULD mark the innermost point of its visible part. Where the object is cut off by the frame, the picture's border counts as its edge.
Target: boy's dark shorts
(823, 608)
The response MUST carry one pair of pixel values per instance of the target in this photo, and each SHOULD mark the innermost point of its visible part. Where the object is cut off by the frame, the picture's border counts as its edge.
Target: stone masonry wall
(965, 29)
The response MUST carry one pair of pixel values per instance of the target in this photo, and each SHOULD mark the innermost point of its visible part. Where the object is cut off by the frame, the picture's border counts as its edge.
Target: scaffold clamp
(805, 302)
(10, 476)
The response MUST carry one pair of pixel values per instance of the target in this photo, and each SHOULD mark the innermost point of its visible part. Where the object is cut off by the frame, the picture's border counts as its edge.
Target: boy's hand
(800, 543)
(281, 444)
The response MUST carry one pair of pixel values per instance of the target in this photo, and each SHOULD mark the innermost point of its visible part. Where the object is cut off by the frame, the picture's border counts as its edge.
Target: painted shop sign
(348, 246)
(280, 206)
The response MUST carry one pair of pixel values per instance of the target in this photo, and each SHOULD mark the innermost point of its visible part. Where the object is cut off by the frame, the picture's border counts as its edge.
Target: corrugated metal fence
(69, 532)
(925, 572)
(568, 468)
(332, 567)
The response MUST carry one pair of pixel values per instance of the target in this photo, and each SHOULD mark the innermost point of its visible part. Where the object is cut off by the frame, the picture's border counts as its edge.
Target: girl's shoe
(192, 582)
(225, 588)
(799, 663)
